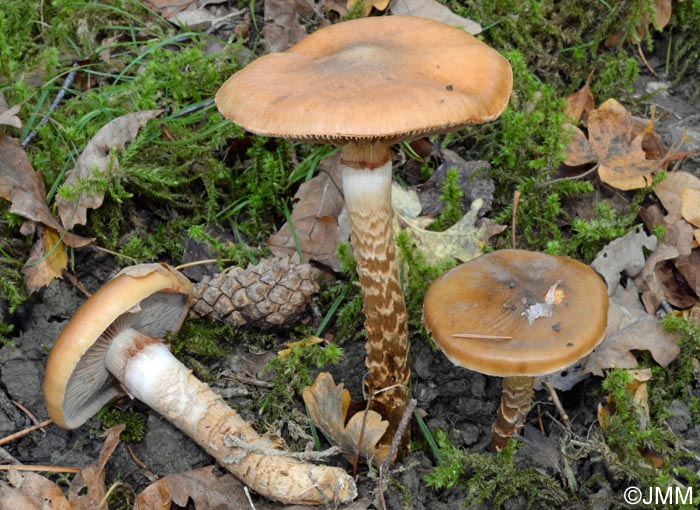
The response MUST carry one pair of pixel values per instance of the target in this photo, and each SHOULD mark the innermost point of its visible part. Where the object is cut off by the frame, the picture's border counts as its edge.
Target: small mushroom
(516, 314)
(113, 345)
(364, 85)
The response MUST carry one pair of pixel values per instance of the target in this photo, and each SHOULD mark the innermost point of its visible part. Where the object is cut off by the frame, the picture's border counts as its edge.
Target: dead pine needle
(24, 432)
(393, 448)
(52, 469)
(557, 403)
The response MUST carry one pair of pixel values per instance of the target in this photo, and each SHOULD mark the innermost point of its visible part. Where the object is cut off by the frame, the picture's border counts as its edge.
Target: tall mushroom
(516, 314)
(113, 345)
(364, 85)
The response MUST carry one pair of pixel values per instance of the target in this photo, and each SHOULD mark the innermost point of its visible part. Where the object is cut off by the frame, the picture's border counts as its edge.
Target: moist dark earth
(461, 402)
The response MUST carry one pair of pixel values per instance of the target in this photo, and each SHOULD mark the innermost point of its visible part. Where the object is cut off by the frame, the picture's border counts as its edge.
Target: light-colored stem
(150, 373)
(367, 189)
(516, 400)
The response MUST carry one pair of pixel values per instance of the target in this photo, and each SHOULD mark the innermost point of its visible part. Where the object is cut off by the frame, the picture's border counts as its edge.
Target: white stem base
(150, 373)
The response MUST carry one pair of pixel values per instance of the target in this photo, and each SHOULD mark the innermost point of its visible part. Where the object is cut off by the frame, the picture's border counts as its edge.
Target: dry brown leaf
(690, 206)
(623, 255)
(283, 27)
(207, 489)
(24, 188)
(87, 490)
(670, 191)
(614, 145)
(47, 260)
(689, 267)
(432, 9)
(314, 218)
(98, 159)
(644, 334)
(8, 116)
(657, 281)
(328, 405)
(30, 491)
(168, 8)
(580, 103)
(660, 18)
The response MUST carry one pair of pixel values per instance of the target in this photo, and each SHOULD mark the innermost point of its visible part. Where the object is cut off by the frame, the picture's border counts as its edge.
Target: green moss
(135, 429)
(493, 479)
(451, 196)
(292, 373)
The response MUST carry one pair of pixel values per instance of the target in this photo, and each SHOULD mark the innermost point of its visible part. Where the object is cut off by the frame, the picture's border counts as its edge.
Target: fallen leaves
(24, 188)
(328, 405)
(98, 161)
(463, 241)
(615, 143)
(315, 223)
(30, 491)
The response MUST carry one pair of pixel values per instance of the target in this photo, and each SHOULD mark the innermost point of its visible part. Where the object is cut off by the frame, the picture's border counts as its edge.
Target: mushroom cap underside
(153, 298)
(553, 308)
(387, 78)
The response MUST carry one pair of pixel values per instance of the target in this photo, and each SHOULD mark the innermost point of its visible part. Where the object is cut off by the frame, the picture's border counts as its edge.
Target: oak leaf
(615, 146)
(328, 405)
(462, 241)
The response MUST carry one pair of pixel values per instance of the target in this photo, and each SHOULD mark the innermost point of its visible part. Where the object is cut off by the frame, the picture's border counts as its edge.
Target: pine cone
(270, 294)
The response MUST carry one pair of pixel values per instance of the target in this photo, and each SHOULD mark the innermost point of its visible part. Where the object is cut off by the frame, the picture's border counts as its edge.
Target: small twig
(77, 283)
(644, 59)
(570, 178)
(539, 418)
(485, 337)
(253, 381)
(236, 442)
(136, 460)
(393, 448)
(24, 432)
(59, 96)
(26, 411)
(557, 403)
(516, 201)
(53, 469)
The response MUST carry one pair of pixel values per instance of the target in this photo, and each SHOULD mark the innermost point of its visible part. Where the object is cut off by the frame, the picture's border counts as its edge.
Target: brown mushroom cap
(385, 78)
(491, 295)
(152, 298)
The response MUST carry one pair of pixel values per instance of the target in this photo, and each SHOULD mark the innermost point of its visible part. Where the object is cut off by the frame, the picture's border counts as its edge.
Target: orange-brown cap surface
(152, 298)
(554, 308)
(385, 78)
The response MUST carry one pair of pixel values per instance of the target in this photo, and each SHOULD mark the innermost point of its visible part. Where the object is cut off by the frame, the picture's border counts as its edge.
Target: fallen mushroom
(113, 345)
(364, 85)
(516, 314)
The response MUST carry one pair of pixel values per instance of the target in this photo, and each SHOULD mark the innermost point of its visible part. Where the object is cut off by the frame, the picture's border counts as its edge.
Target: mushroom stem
(516, 400)
(366, 170)
(149, 372)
